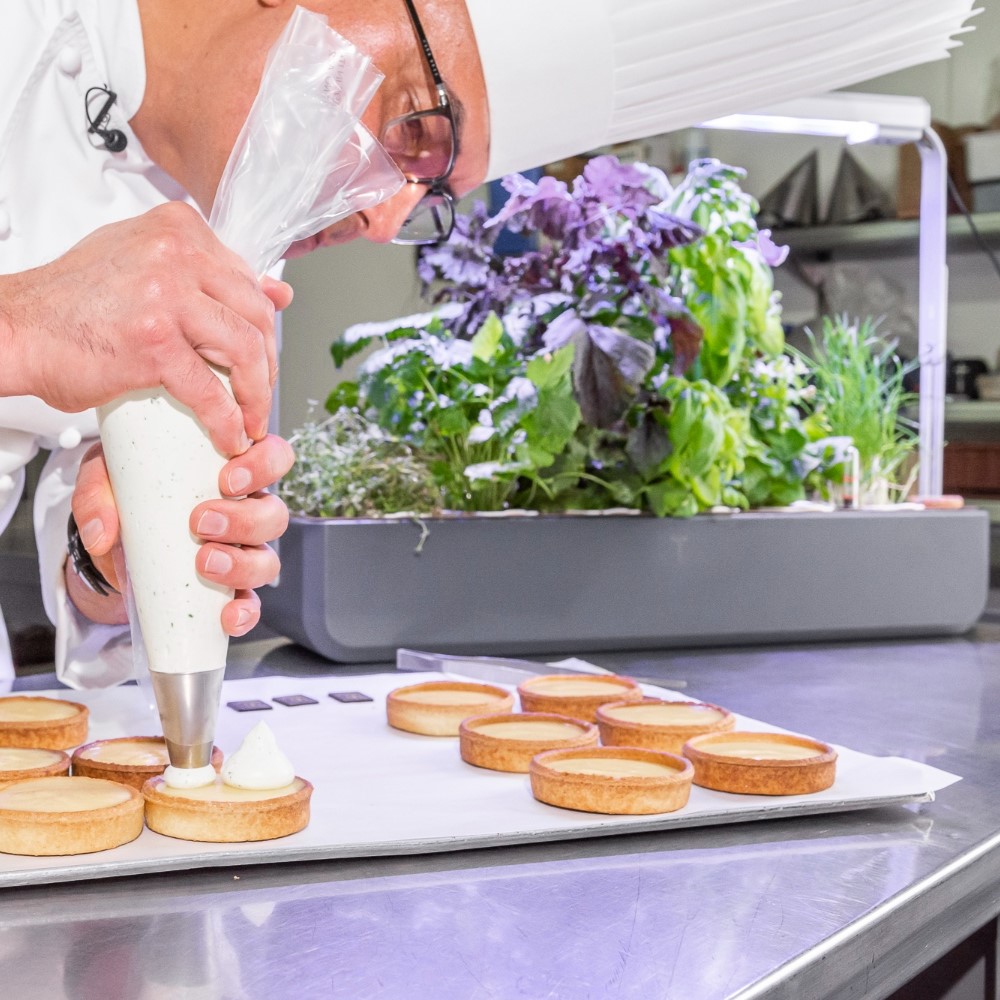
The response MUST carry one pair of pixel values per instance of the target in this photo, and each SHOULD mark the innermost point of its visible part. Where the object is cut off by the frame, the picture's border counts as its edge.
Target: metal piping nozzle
(188, 705)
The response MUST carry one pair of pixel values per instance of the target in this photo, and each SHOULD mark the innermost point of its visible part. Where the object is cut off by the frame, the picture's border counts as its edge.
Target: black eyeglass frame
(436, 186)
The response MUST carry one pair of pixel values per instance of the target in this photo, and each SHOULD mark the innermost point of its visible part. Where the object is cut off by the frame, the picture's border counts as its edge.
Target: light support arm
(895, 120)
(932, 321)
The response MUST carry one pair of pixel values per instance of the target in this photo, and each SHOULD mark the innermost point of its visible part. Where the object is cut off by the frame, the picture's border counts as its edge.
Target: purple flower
(770, 252)
(546, 206)
(466, 260)
(562, 330)
(615, 186)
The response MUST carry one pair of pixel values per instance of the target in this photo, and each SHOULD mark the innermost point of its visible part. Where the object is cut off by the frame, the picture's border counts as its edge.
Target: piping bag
(301, 162)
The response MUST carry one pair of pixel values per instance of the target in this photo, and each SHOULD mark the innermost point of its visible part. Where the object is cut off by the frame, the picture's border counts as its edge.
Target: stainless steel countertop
(838, 906)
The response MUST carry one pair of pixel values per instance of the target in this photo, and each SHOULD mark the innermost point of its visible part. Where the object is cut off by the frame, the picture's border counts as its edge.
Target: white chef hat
(567, 76)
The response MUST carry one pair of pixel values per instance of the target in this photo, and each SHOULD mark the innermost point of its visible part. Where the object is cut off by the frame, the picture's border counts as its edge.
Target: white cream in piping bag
(162, 465)
(259, 762)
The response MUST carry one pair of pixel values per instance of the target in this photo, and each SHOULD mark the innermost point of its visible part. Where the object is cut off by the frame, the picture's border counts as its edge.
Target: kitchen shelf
(886, 236)
(972, 411)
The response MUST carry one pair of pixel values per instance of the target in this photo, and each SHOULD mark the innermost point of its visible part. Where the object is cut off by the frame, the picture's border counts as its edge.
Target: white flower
(448, 353)
(484, 430)
(379, 359)
(521, 389)
(418, 321)
(483, 470)
(479, 434)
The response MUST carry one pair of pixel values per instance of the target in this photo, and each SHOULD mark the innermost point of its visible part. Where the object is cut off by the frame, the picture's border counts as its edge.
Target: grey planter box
(355, 590)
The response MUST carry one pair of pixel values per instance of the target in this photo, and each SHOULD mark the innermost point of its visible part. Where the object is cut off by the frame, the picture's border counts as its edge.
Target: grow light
(888, 118)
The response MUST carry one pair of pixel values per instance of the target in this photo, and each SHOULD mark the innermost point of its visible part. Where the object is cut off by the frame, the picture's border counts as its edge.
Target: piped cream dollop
(259, 762)
(189, 777)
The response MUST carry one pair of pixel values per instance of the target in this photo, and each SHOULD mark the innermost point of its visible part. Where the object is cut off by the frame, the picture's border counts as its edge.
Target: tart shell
(616, 732)
(51, 770)
(631, 795)
(607, 688)
(435, 719)
(499, 753)
(222, 822)
(135, 775)
(85, 831)
(763, 776)
(46, 734)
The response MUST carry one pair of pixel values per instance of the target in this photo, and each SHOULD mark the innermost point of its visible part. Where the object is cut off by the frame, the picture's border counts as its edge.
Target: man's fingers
(96, 515)
(240, 568)
(279, 292)
(241, 614)
(94, 504)
(265, 463)
(258, 519)
(199, 388)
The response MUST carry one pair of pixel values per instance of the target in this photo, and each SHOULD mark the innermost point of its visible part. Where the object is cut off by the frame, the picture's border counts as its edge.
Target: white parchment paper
(379, 791)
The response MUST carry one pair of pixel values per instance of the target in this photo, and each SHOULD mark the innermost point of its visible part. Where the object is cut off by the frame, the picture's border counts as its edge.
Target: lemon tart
(762, 763)
(19, 763)
(129, 759)
(44, 723)
(508, 742)
(62, 815)
(660, 725)
(437, 708)
(613, 780)
(219, 813)
(577, 696)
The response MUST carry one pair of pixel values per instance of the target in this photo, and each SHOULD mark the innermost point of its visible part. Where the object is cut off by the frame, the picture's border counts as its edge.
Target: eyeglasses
(423, 145)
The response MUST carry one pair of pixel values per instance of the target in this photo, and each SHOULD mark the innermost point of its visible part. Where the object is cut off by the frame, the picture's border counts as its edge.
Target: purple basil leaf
(608, 368)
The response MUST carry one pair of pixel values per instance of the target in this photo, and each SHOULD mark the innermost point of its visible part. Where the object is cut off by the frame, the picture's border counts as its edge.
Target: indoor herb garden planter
(356, 589)
(634, 360)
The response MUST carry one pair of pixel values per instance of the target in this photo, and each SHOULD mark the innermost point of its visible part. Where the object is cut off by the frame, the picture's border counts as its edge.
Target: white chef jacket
(57, 185)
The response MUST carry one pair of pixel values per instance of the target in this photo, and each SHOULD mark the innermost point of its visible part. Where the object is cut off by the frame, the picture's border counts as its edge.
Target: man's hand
(235, 532)
(141, 304)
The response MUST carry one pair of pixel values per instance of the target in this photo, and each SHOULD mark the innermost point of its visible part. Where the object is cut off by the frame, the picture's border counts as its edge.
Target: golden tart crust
(42, 723)
(577, 696)
(612, 780)
(762, 763)
(111, 759)
(437, 708)
(657, 724)
(62, 815)
(508, 742)
(21, 763)
(230, 818)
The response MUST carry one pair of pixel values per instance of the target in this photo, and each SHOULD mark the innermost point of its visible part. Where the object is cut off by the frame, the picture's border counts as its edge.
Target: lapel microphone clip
(113, 140)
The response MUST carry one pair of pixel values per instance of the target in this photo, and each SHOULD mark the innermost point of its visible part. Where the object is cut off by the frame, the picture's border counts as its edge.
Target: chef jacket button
(6, 484)
(70, 438)
(69, 60)
(4, 223)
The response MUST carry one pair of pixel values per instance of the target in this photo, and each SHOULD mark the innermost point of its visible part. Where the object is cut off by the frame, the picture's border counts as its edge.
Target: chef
(116, 120)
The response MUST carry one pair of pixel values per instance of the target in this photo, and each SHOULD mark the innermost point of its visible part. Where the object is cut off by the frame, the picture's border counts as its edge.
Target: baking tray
(384, 792)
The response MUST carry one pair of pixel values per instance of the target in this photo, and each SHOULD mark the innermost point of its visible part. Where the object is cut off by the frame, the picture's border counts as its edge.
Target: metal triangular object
(794, 200)
(857, 196)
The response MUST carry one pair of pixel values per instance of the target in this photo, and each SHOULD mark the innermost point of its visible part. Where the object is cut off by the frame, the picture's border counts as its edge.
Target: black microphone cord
(113, 140)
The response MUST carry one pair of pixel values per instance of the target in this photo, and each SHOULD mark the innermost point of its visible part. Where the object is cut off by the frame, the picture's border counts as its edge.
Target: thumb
(95, 512)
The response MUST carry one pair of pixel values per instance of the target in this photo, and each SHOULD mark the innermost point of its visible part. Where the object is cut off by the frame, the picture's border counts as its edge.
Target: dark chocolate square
(249, 706)
(291, 700)
(350, 696)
